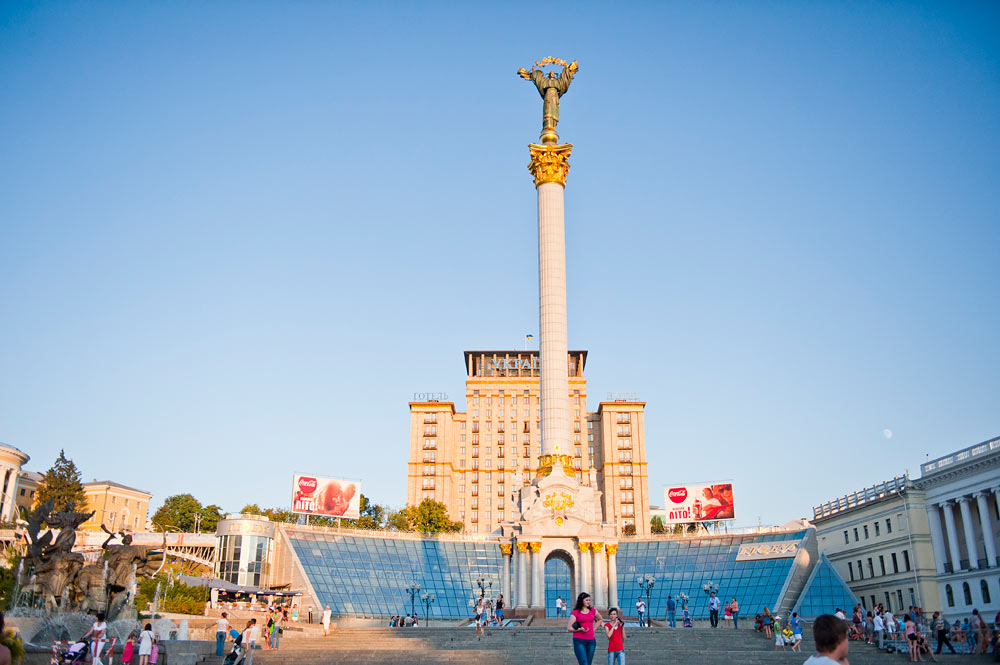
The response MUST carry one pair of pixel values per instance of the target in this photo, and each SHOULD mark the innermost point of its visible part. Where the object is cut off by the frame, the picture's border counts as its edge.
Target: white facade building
(960, 494)
(879, 541)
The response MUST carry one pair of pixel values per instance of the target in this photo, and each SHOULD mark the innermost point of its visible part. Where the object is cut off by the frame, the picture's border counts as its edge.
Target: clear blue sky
(235, 237)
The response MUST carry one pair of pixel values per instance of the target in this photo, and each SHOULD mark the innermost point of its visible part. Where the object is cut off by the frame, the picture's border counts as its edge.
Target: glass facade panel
(681, 566)
(364, 576)
(825, 591)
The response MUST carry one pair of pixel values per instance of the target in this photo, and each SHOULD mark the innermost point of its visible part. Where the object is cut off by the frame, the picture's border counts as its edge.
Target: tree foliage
(178, 513)
(656, 525)
(373, 516)
(62, 485)
(428, 517)
(174, 597)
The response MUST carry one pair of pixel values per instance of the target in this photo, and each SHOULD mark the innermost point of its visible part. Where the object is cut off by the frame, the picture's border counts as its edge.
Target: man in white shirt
(879, 624)
(559, 604)
(640, 609)
(326, 620)
(713, 610)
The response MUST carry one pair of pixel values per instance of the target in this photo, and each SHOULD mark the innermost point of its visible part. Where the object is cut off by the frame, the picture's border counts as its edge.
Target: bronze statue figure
(551, 87)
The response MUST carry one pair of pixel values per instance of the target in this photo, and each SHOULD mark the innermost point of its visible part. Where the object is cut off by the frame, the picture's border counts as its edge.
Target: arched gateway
(559, 580)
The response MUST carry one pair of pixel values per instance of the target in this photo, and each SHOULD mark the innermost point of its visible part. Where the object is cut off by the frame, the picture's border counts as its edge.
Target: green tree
(273, 514)
(62, 485)
(210, 516)
(428, 517)
(177, 513)
(656, 525)
(373, 516)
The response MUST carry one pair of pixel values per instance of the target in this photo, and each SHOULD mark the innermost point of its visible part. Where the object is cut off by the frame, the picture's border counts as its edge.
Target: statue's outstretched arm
(524, 73)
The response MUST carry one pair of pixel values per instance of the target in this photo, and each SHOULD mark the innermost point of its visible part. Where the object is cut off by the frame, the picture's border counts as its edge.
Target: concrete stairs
(701, 645)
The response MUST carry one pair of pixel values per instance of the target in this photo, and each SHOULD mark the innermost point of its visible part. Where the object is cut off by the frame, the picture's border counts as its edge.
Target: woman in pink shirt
(581, 624)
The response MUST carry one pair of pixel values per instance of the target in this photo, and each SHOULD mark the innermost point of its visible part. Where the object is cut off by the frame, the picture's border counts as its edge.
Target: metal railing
(861, 497)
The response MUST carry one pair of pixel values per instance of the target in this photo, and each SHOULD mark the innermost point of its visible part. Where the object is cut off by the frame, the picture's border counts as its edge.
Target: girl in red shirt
(615, 630)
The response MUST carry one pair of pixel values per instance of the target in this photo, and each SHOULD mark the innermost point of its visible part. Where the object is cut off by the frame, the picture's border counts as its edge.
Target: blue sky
(236, 237)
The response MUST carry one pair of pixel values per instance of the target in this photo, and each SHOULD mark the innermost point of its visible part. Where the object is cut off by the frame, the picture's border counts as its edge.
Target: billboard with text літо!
(706, 502)
(315, 495)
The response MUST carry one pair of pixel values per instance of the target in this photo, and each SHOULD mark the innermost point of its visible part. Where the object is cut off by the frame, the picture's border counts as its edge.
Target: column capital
(978, 493)
(549, 163)
(964, 499)
(597, 548)
(507, 548)
(522, 547)
(584, 547)
(612, 549)
(536, 547)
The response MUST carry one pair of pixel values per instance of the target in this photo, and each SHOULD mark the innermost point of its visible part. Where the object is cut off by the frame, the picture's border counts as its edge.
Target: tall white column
(937, 536)
(987, 528)
(600, 566)
(522, 575)
(970, 532)
(612, 575)
(537, 576)
(554, 373)
(8, 475)
(587, 567)
(949, 525)
(505, 574)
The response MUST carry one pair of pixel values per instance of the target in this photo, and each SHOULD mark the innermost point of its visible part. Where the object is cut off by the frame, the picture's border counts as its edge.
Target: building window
(876, 531)
(855, 534)
(590, 424)
(881, 563)
(985, 589)
(871, 571)
(850, 570)
(888, 527)
(861, 572)
(906, 559)
(888, 599)
(949, 595)
(22, 491)
(899, 599)
(847, 539)
(895, 565)
(866, 532)
(967, 593)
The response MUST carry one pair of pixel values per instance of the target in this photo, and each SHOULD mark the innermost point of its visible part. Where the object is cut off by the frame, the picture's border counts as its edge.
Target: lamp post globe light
(710, 587)
(413, 590)
(646, 583)
(428, 599)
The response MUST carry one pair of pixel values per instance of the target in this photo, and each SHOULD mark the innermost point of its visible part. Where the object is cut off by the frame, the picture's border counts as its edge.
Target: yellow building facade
(116, 506)
(472, 461)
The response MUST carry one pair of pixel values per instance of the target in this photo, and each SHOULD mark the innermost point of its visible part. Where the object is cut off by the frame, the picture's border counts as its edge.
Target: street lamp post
(646, 583)
(413, 590)
(428, 599)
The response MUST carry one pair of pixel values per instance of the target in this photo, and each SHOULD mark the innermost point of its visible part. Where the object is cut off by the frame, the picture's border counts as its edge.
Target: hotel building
(472, 461)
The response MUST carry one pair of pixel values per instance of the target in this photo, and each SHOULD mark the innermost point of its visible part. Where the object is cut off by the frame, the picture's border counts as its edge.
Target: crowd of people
(249, 637)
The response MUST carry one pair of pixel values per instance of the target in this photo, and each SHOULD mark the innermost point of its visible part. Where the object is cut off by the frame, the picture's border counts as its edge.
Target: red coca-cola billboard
(705, 502)
(316, 495)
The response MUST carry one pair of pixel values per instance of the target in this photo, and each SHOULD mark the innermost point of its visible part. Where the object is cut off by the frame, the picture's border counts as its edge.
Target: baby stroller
(236, 655)
(75, 654)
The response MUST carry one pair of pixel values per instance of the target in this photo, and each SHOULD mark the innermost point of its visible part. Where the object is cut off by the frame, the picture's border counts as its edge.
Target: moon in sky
(887, 433)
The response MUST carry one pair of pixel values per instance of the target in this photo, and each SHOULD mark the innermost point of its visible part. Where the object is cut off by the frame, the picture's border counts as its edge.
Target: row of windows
(881, 570)
(984, 593)
(877, 528)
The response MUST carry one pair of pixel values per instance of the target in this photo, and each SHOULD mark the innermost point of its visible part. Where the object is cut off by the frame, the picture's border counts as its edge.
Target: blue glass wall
(362, 576)
(825, 591)
(682, 566)
(557, 584)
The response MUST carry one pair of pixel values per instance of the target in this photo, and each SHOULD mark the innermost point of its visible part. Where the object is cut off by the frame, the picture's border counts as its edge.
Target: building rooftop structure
(942, 464)
(861, 497)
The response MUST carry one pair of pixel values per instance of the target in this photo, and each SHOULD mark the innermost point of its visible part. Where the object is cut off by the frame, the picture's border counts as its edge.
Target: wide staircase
(533, 645)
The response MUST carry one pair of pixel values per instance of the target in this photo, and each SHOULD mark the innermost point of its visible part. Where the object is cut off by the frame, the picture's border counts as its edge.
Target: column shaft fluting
(949, 525)
(937, 537)
(522, 578)
(552, 320)
(971, 550)
(612, 579)
(989, 542)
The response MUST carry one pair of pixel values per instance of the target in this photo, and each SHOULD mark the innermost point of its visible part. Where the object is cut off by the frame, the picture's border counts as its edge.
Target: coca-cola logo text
(677, 494)
(307, 485)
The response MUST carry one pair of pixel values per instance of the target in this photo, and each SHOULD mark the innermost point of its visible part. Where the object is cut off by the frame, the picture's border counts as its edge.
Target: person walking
(615, 630)
(250, 636)
(734, 608)
(878, 624)
(146, 639)
(581, 624)
(559, 607)
(481, 618)
(795, 623)
(671, 612)
(499, 609)
(221, 631)
(713, 610)
(640, 610)
(98, 633)
(911, 636)
(326, 621)
(941, 631)
(276, 628)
